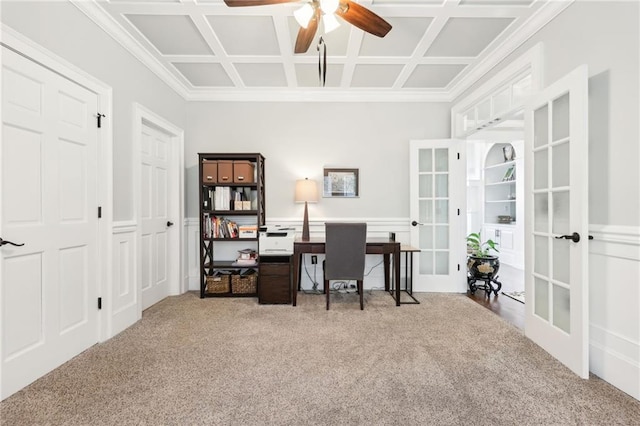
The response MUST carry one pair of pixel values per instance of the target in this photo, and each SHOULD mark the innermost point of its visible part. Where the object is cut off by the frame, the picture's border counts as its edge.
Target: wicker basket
(244, 284)
(217, 284)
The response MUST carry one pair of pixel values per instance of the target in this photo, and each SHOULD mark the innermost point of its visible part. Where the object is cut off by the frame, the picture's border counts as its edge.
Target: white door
(49, 285)
(556, 268)
(155, 157)
(437, 205)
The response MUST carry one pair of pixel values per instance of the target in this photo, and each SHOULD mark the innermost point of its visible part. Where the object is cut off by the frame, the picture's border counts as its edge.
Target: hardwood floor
(512, 311)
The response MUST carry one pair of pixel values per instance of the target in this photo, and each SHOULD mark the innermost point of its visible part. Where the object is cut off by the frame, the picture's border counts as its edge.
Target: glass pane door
(556, 234)
(551, 215)
(434, 210)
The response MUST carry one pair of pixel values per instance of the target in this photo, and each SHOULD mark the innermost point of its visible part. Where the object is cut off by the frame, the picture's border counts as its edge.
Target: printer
(276, 241)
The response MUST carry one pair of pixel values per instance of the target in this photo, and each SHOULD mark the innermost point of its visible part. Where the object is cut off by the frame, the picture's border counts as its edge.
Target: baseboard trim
(615, 368)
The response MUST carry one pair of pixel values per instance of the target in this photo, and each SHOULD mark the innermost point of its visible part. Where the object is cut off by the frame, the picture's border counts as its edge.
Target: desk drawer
(274, 289)
(279, 269)
(376, 249)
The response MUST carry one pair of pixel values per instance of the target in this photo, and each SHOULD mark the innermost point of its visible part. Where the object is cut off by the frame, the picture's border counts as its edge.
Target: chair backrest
(345, 250)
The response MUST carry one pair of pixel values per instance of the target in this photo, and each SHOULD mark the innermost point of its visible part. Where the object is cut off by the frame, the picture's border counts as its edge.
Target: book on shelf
(219, 227)
(246, 257)
(207, 198)
(245, 262)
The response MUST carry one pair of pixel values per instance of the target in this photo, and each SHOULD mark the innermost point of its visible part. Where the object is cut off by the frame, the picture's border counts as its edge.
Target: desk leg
(409, 273)
(396, 272)
(296, 277)
(386, 271)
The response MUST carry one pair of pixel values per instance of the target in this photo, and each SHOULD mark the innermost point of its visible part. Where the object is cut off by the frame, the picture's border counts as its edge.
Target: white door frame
(33, 51)
(142, 116)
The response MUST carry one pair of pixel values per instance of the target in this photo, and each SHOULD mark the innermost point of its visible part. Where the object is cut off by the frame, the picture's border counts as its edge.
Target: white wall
(299, 139)
(67, 32)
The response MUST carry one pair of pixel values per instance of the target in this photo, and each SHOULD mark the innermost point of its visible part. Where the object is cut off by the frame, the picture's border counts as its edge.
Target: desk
(383, 246)
(408, 275)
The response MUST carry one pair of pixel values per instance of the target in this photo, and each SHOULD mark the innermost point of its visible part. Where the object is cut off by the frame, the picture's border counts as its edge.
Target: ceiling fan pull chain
(322, 61)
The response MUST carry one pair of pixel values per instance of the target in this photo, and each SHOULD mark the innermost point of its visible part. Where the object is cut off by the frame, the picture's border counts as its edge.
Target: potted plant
(482, 265)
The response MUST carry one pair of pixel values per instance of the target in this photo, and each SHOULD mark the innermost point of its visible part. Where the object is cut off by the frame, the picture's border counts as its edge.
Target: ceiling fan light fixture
(304, 15)
(329, 6)
(330, 23)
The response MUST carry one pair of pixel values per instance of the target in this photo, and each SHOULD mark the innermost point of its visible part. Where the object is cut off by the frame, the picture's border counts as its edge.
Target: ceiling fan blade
(305, 36)
(363, 18)
(240, 3)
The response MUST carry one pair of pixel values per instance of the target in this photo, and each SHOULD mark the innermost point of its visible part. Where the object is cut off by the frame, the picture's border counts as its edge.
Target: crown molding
(542, 17)
(115, 30)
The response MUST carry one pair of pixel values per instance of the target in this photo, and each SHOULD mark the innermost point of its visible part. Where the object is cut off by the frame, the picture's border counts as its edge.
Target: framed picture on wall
(340, 183)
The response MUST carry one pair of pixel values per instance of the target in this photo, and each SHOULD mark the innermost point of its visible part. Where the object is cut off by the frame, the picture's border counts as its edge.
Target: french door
(49, 285)
(556, 220)
(437, 210)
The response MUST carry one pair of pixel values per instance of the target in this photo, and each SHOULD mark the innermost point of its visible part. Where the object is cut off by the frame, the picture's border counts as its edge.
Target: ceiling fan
(312, 11)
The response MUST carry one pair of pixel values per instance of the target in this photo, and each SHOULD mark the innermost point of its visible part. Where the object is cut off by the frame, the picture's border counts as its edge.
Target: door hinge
(99, 212)
(458, 155)
(458, 212)
(458, 266)
(99, 117)
(99, 302)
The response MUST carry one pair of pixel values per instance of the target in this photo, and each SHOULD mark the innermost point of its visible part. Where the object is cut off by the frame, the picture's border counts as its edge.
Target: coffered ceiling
(206, 50)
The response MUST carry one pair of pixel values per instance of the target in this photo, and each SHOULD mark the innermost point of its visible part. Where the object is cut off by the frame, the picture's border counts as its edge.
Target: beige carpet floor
(446, 361)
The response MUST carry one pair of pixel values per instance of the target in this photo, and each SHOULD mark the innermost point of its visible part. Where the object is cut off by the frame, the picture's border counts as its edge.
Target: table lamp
(306, 192)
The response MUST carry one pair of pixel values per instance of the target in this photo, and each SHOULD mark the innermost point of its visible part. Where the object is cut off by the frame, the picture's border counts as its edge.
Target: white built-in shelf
(499, 165)
(502, 182)
(499, 184)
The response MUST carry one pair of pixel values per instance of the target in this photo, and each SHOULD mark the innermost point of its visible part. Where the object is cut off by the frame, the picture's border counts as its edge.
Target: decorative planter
(483, 269)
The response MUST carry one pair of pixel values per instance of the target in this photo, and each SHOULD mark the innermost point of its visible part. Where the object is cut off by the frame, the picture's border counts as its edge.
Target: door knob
(414, 223)
(3, 242)
(575, 237)
(169, 223)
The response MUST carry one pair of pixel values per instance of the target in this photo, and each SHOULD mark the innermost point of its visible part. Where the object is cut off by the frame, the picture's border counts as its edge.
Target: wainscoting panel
(125, 309)
(192, 233)
(614, 300)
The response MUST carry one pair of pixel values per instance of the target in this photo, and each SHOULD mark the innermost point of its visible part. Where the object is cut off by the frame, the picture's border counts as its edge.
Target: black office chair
(346, 245)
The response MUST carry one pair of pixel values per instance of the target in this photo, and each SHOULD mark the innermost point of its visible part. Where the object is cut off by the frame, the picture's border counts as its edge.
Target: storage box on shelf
(217, 284)
(232, 207)
(246, 283)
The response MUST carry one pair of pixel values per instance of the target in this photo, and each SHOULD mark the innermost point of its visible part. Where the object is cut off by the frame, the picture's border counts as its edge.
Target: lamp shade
(306, 190)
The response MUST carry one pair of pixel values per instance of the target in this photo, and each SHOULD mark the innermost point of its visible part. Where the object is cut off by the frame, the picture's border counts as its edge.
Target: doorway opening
(495, 209)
